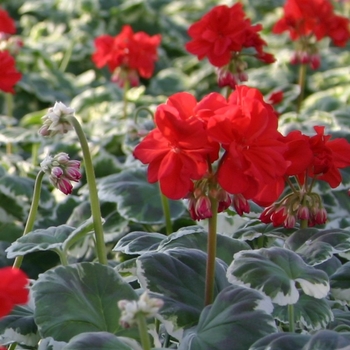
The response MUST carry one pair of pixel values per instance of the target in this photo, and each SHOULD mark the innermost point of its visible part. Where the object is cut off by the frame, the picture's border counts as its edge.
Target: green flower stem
(35, 151)
(66, 57)
(32, 213)
(142, 324)
(301, 83)
(9, 113)
(304, 223)
(211, 251)
(166, 212)
(125, 98)
(62, 255)
(12, 346)
(291, 318)
(94, 201)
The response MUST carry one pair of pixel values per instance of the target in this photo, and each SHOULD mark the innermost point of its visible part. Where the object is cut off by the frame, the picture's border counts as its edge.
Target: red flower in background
(9, 76)
(328, 157)
(222, 32)
(13, 289)
(7, 24)
(132, 53)
(313, 17)
(178, 150)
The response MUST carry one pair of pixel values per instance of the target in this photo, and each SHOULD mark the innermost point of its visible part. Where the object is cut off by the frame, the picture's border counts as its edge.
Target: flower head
(309, 22)
(55, 121)
(9, 76)
(62, 171)
(7, 24)
(127, 55)
(13, 289)
(146, 306)
(247, 130)
(178, 150)
(222, 32)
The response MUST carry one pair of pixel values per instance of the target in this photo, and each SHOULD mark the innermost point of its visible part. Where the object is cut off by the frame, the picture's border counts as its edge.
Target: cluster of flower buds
(146, 306)
(303, 57)
(199, 203)
(232, 74)
(61, 171)
(10, 43)
(55, 121)
(124, 74)
(295, 207)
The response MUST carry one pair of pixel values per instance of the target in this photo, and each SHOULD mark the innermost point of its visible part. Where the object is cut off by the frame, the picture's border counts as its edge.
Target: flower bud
(55, 121)
(61, 171)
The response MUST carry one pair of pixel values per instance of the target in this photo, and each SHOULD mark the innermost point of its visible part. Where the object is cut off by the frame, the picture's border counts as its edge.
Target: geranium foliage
(174, 175)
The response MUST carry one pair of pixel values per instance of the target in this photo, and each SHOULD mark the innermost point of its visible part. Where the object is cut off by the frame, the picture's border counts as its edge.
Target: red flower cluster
(224, 31)
(310, 21)
(7, 24)
(182, 153)
(13, 289)
(310, 158)
(132, 53)
(189, 134)
(313, 17)
(9, 76)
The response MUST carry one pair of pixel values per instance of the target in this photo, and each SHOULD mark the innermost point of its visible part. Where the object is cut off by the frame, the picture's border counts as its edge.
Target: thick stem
(166, 212)
(94, 201)
(291, 318)
(211, 251)
(32, 213)
(301, 83)
(142, 324)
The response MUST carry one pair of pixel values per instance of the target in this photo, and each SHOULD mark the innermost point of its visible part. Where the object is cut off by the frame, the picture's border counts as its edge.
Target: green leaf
(322, 340)
(137, 200)
(96, 340)
(255, 228)
(316, 246)
(340, 283)
(238, 317)
(196, 237)
(275, 272)
(281, 341)
(178, 277)
(341, 320)
(19, 326)
(328, 340)
(312, 313)
(51, 344)
(79, 298)
(40, 240)
(139, 242)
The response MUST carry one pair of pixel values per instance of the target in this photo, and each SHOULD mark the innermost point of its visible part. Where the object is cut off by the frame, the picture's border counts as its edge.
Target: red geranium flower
(328, 157)
(223, 31)
(13, 289)
(313, 17)
(247, 129)
(9, 76)
(7, 24)
(129, 51)
(178, 150)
